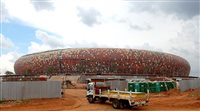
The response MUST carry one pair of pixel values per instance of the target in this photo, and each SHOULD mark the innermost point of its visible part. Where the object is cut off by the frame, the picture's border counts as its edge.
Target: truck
(119, 99)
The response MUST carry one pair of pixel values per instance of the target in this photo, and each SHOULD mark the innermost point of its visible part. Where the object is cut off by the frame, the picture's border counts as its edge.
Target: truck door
(90, 89)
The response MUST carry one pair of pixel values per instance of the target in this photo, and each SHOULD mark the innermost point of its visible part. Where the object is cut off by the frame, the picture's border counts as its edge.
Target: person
(62, 92)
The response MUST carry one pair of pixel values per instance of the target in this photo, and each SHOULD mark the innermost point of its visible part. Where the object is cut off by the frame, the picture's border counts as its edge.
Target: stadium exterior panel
(99, 61)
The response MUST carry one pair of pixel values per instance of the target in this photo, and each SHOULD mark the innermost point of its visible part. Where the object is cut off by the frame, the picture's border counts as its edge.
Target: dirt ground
(75, 100)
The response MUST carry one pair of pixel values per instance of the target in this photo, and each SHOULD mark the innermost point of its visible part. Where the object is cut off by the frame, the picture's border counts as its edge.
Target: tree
(9, 73)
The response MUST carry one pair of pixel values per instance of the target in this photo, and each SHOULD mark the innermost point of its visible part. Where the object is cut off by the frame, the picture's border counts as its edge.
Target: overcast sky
(170, 26)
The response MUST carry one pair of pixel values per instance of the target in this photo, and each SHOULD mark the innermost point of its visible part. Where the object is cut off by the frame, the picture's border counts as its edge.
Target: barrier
(189, 84)
(29, 90)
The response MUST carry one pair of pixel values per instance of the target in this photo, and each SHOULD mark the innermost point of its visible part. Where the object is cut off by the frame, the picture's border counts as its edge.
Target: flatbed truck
(119, 99)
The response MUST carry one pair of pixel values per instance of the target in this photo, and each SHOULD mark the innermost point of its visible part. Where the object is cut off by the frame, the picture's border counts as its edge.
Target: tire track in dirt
(77, 96)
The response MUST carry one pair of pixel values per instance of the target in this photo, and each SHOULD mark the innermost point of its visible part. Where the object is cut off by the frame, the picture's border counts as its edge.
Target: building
(102, 61)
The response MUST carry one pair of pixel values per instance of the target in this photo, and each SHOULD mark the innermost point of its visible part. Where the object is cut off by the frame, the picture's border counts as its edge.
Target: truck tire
(121, 104)
(126, 104)
(90, 99)
(115, 104)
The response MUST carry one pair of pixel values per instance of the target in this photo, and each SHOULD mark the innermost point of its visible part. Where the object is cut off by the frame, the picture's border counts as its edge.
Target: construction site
(74, 99)
(100, 80)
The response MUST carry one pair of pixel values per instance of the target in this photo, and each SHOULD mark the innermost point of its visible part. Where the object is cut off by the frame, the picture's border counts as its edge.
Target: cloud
(6, 43)
(124, 24)
(186, 44)
(147, 46)
(85, 44)
(8, 54)
(49, 40)
(43, 5)
(8, 60)
(36, 47)
(182, 8)
(140, 28)
(46, 42)
(4, 13)
(89, 16)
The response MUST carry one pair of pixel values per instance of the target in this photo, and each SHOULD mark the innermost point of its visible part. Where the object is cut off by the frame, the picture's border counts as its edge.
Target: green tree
(9, 73)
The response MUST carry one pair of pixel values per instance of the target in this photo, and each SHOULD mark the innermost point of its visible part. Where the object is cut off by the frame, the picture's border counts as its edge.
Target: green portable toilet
(144, 86)
(147, 86)
(131, 86)
(134, 86)
(152, 87)
(163, 86)
(169, 85)
(158, 88)
(174, 84)
(137, 87)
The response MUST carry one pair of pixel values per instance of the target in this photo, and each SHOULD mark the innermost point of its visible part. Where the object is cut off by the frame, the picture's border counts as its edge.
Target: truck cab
(90, 89)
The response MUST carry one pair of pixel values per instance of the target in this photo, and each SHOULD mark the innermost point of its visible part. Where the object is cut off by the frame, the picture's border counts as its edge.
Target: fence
(29, 90)
(119, 85)
(189, 84)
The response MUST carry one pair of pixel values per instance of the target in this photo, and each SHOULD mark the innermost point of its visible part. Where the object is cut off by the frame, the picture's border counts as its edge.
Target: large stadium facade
(102, 61)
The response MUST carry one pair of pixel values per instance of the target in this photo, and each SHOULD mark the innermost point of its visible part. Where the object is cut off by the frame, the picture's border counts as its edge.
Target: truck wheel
(115, 104)
(121, 105)
(126, 104)
(90, 99)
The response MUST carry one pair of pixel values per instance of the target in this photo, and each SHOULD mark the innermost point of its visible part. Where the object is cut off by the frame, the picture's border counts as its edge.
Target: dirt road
(74, 100)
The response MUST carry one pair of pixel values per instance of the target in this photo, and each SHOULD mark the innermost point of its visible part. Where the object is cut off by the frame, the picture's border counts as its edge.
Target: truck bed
(133, 96)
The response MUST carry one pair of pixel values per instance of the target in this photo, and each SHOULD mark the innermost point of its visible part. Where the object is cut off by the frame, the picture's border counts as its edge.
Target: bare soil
(75, 100)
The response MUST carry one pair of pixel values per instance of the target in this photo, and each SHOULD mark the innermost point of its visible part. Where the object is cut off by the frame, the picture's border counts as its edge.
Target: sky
(170, 26)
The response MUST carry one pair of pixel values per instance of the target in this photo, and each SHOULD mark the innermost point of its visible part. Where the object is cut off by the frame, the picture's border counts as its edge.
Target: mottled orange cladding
(102, 61)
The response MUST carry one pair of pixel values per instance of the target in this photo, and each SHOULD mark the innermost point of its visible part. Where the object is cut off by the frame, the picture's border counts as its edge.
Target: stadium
(102, 61)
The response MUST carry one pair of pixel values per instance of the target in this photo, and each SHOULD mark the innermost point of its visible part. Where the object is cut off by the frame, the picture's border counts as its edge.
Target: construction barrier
(189, 84)
(29, 90)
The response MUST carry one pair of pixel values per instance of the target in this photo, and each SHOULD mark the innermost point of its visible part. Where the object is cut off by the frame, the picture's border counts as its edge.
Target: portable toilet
(152, 86)
(144, 86)
(163, 86)
(134, 86)
(131, 86)
(158, 87)
(137, 87)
